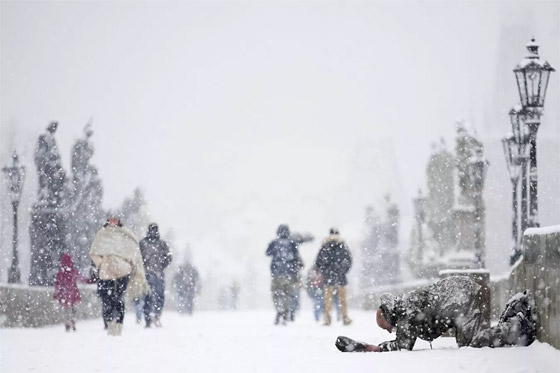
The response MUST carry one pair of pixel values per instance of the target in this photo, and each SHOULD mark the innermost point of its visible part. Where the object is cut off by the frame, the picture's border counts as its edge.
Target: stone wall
(34, 306)
(539, 272)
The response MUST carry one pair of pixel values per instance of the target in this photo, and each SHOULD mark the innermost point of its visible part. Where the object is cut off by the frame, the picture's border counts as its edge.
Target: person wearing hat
(284, 267)
(156, 256)
(333, 262)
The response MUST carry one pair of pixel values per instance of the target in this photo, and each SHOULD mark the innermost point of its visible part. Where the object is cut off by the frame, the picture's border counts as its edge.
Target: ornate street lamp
(532, 75)
(16, 175)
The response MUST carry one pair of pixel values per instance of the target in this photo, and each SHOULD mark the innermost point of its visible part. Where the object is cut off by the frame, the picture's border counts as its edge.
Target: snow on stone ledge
(462, 271)
(542, 231)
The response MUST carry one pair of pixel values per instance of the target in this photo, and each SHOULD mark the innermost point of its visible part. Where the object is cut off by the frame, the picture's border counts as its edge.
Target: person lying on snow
(451, 303)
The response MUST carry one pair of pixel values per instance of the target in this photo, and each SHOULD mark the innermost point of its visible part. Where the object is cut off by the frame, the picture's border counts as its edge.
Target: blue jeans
(318, 307)
(153, 302)
(139, 308)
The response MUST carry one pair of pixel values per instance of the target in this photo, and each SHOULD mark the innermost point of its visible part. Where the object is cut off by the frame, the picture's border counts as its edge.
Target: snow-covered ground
(246, 341)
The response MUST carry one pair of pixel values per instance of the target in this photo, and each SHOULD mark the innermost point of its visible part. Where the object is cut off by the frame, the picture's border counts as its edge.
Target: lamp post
(516, 151)
(511, 152)
(420, 216)
(16, 176)
(477, 168)
(532, 75)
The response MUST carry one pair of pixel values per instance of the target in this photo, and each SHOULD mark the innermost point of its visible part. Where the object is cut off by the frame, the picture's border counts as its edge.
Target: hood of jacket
(283, 231)
(333, 237)
(391, 307)
(66, 262)
(153, 232)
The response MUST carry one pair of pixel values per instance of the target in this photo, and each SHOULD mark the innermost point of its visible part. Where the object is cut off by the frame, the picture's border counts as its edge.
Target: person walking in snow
(451, 303)
(284, 267)
(156, 257)
(333, 262)
(314, 287)
(118, 261)
(186, 283)
(299, 239)
(66, 289)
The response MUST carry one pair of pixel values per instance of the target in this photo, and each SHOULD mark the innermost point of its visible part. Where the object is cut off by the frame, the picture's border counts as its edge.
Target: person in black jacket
(451, 303)
(186, 283)
(156, 257)
(333, 262)
(284, 268)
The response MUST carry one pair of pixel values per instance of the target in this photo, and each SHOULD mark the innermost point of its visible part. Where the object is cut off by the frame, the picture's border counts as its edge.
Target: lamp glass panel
(521, 84)
(533, 82)
(545, 75)
(516, 128)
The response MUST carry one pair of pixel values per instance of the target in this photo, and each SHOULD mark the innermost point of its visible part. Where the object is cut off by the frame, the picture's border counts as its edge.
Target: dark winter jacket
(155, 253)
(430, 311)
(334, 261)
(186, 280)
(517, 325)
(286, 261)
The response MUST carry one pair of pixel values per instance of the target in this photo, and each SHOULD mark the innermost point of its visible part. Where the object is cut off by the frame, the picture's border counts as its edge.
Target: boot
(346, 321)
(118, 329)
(327, 320)
(67, 326)
(112, 328)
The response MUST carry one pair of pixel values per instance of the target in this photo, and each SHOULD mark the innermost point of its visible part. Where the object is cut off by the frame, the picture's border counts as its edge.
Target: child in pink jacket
(66, 289)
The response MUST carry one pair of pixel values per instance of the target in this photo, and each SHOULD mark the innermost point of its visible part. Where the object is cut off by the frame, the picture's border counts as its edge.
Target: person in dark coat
(333, 262)
(299, 239)
(451, 303)
(66, 289)
(284, 268)
(187, 285)
(156, 257)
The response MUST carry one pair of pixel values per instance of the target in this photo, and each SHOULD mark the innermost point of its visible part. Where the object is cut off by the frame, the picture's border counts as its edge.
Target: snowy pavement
(246, 341)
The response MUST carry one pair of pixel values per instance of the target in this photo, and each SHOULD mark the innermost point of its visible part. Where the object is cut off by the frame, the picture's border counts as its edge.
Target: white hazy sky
(237, 116)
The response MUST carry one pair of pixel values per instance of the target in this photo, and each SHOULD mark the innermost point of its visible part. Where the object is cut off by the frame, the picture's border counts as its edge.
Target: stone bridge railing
(34, 306)
(539, 272)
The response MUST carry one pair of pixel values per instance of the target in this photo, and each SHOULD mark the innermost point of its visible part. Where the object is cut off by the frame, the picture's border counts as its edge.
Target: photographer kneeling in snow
(451, 303)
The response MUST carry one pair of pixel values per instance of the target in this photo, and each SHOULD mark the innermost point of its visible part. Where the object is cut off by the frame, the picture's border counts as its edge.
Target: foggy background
(234, 117)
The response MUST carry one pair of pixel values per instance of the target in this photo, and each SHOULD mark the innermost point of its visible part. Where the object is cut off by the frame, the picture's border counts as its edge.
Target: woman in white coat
(116, 255)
